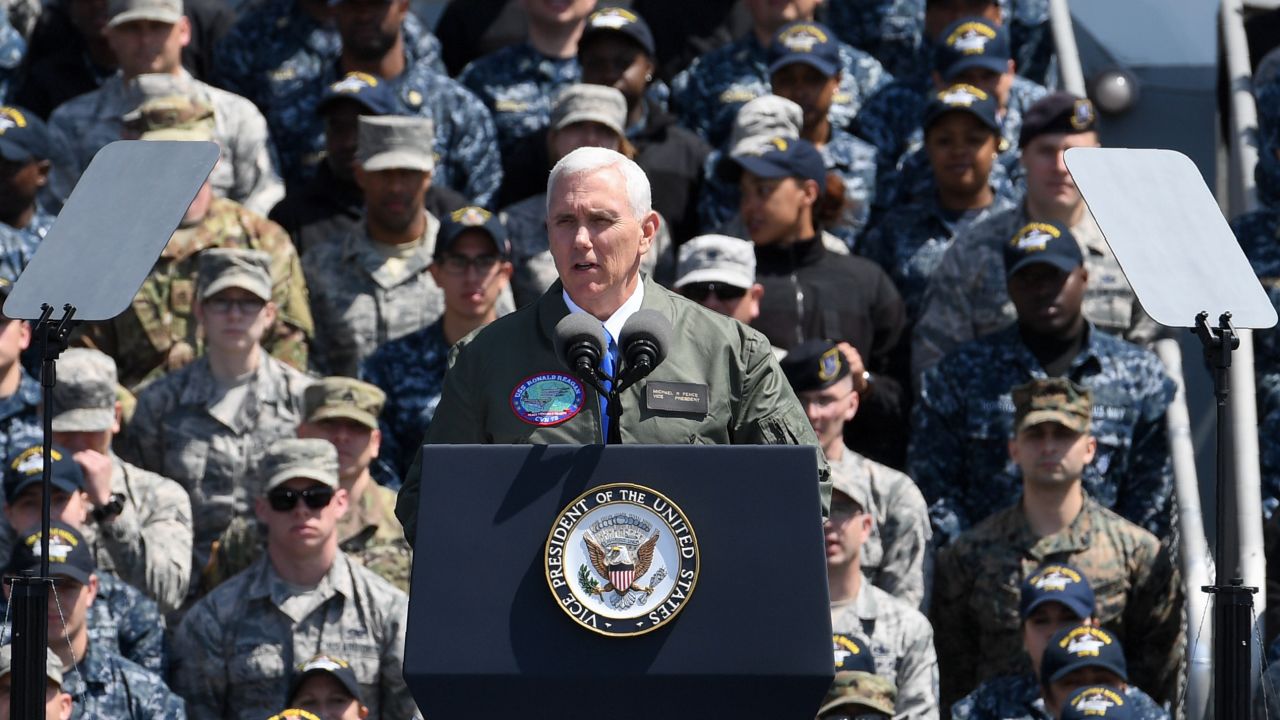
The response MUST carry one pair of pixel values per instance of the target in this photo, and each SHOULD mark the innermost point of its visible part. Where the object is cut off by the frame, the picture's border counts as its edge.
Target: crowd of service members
(877, 186)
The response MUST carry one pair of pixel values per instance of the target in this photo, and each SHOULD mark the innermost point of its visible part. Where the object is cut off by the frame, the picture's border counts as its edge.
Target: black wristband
(114, 507)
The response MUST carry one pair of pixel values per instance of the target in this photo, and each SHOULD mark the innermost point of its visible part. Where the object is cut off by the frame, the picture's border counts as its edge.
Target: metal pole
(1064, 39)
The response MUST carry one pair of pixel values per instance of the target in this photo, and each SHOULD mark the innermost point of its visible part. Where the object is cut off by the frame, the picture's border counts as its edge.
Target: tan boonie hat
(222, 268)
(1056, 400)
(172, 117)
(343, 397)
(393, 142)
(717, 258)
(123, 11)
(310, 458)
(590, 103)
(860, 690)
(52, 665)
(84, 399)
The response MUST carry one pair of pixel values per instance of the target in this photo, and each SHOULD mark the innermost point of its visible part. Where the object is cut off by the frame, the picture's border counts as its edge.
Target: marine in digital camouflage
(174, 433)
(707, 95)
(19, 422)
(967, 296)
(105, 686)
(1017, 697)
(18, 245)
(888, 29)
(158, 332)
(236, 649)
(518, 85)
(410, 370)
(13, 48)
(976, 588)
(893, 557)
(83, 125)
(901, 640)
(962, 422)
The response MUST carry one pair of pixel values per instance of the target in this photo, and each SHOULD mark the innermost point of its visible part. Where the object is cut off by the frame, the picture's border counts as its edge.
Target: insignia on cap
(354, 82)
(613, 18)
(470, 216)
(1035, 236)
(829, 364)
(1055, 577)
(1098, 701)
(971, 38)
(323, 662)
(10, 118)
(802, 38)
(1085, 641)
(622, 560)
(844, 647)
(31, 460)
(780, 143)
(1082, 115)
(61, 543)
(961, 95)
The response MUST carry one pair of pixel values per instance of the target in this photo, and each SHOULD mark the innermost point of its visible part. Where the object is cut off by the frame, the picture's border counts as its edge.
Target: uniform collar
(865, 605)
(267, 584)
(1087, 357)
(1074, 538)
(27, 396)
(620, 316)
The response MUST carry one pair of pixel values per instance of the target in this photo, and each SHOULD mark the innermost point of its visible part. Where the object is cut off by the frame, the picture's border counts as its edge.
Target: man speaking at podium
(718, 384)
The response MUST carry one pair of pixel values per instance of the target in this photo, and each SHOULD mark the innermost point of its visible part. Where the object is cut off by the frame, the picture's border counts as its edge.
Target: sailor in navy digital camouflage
(1017, 697)
(24, 145)
(964, 418)
(465, 140)
(759, 119)
(708, 94)
(13, 48)
(19, 422)
(888, 29)
(277, 46)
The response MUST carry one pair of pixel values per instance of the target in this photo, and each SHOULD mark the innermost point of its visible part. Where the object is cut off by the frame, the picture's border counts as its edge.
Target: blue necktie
(608, 365)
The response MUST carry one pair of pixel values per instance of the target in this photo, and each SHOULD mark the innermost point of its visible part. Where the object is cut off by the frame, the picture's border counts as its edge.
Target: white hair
(589, 159)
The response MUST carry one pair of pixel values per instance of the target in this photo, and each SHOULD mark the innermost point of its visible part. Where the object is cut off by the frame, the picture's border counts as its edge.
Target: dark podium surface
(487, 638)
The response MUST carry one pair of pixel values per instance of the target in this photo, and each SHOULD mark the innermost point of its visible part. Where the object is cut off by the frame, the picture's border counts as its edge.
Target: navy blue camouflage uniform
(19, 422)
(961, 425)
(1017, 697)
(18, 245)
(519, 84)
(890, 30)
(105, 686)
(707, 95)
(13, 48)
(410, 370)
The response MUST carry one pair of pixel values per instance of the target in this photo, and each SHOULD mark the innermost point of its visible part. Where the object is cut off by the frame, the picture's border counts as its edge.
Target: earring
(648, 77)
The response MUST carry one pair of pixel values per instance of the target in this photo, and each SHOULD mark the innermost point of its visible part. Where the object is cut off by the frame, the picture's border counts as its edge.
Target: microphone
(644, 341)
(579, 343)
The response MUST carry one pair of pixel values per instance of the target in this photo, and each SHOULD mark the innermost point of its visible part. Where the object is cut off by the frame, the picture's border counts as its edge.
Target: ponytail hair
(829, 206)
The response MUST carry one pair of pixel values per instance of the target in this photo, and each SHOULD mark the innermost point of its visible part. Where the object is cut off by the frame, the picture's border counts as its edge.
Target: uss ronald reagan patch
(622, 560)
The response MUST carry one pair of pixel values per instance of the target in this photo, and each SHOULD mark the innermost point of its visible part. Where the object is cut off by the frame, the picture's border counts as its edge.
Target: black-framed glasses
(286, 499)
(458, 264)
(245, 306)
(699, 292)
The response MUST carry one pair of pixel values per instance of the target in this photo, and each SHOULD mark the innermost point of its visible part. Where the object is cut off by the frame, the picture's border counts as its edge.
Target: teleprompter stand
(1185, 265)
(93, 260)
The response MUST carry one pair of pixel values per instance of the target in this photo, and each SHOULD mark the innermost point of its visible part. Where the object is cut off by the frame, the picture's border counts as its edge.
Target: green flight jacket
(748, 398)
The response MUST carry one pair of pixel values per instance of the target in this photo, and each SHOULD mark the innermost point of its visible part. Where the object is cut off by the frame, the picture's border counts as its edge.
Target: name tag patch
(547, 399)
(676, 397)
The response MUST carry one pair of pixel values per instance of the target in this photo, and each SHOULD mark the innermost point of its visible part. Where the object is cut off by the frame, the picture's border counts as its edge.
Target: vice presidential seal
(622, 560)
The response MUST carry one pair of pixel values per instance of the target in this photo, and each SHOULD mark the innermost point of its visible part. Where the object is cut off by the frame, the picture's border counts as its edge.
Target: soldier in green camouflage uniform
(157, 333)
(976, 588)
(236, 648)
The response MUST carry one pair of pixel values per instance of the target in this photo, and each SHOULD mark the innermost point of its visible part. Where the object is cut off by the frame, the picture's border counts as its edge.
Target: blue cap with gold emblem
(620, 21)
(965, 99)
(972, 42)
(371, 93)
(1060, 583)
(467, 218)
(23, 136)
(1081, 646)
(805, 42)
(814, 365)
(1042, 242)
(1094, 702)
(852, 653)
(782, 157)
(1059, 112)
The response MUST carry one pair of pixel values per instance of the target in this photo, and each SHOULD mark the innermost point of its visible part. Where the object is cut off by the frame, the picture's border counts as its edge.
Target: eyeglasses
(699, 292)
(458, 264)
(285, 499)
(245, 306)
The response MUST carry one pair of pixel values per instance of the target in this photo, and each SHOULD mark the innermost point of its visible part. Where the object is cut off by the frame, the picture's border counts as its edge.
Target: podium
(513, 614)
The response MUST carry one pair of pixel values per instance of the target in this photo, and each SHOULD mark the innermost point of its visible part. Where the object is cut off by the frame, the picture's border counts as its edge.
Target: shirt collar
(614, 324)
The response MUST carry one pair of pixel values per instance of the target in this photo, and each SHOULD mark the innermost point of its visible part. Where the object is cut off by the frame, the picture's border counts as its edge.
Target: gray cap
(310, 458)
(52, 665)
(84, 399)
(123, 11)
(717, 258)
(763, 118)
(222, 268)
(393, 142)
(590, 103)
(853, 481)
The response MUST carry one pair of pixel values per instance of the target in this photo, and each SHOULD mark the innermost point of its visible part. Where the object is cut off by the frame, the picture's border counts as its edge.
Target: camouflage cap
(123, 11)
(1093, 702)
(52, 664)
(84, 399)
(765, 117)
(343, 397)
(855, 485)
(590, 103)
(716, 259)
(394, 142)
(171, 117)
(222, 268)
(290, 458)
(1057, 400)
(861, 691)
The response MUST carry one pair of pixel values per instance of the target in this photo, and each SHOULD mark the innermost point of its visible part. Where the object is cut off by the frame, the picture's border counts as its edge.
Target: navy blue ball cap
(852, 654)
(1082, 646)
(805, 42)
(23, 136)
(26, 468)
(373, 93)
(1060, 583)
(621, 21)
(972, 42)
(471, 218)
(69, 554)
(1097, 702)
(1042, 242)
(966, 99)
(781, 157)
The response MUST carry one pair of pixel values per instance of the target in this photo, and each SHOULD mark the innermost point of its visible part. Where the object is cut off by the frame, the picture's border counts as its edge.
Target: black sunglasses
(699, 292)
(284, 499)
